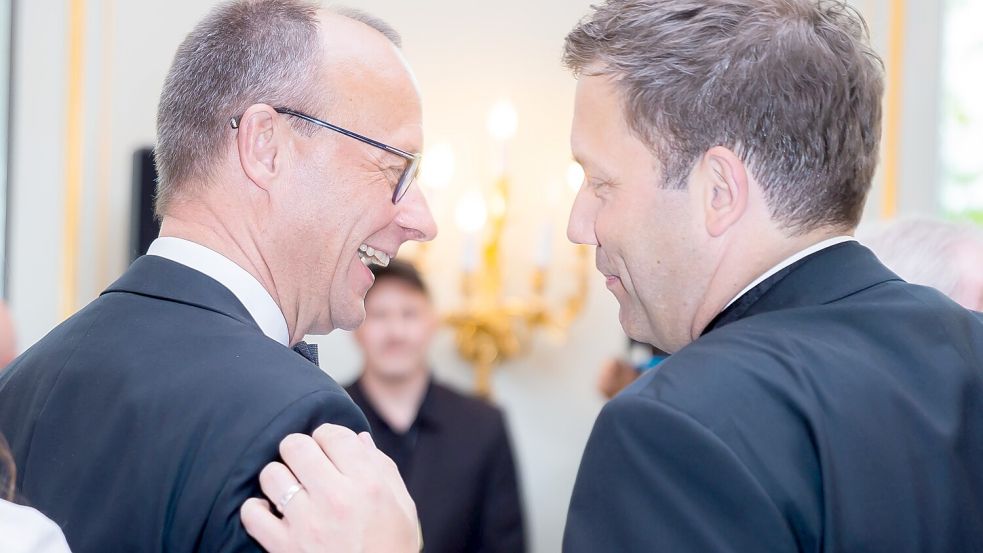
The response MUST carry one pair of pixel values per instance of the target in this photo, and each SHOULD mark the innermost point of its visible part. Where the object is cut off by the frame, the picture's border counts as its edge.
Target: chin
(632, 327)
(351, 323)
(395, 373)
(349, 317)
(639, 328)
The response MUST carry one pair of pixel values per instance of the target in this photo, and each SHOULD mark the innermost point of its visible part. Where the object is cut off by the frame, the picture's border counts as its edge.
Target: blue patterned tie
(308, 351)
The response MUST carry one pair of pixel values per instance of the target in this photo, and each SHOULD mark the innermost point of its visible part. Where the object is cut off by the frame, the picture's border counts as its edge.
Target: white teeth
(369, 256)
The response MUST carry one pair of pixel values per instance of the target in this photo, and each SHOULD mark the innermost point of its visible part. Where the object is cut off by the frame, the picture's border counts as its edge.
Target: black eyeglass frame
(410, 172)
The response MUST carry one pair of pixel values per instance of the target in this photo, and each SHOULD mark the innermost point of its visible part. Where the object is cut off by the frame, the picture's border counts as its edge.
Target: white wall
(467, 55)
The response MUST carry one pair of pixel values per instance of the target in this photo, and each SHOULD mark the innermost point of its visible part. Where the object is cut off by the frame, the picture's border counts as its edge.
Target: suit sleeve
(224, 531)
(654, 479)
(501, 528)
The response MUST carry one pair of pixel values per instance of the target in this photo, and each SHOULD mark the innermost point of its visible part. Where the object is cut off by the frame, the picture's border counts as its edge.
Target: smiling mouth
(371, 256)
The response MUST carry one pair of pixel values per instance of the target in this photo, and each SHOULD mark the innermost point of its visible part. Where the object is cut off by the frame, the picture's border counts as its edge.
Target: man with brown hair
(814, 401)
(286, 144)
(452, 450)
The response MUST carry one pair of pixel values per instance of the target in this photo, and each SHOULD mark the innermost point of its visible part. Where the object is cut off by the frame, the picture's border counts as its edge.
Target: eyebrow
(598, 169)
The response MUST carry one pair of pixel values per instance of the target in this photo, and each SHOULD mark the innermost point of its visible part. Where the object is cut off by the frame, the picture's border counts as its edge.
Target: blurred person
(813, 400)
(143, 422)
(944, 255)
(453, 451)
(8, 337)
(618, 372)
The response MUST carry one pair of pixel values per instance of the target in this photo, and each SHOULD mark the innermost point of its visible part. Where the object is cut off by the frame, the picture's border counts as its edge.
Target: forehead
(365, 82)
(393, 291)
(600, 137)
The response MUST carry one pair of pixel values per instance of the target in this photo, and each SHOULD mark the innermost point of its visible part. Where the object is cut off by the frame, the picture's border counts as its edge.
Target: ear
(726, 191)
(261, 141)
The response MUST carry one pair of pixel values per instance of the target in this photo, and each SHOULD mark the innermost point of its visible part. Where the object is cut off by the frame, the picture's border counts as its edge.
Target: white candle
(471, 215)
(469, 258)
(545, 250)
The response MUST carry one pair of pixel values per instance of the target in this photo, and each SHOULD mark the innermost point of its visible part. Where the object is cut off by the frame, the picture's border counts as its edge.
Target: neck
(739, 267)
(397, 400)
(231, 237)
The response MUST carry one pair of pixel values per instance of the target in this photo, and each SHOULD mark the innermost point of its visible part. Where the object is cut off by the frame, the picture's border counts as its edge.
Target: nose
(413, 215)
(580, 227)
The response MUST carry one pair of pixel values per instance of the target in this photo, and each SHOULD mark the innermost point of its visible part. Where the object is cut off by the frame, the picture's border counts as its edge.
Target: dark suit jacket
(832, 408)
(457, 464)
(141, 423)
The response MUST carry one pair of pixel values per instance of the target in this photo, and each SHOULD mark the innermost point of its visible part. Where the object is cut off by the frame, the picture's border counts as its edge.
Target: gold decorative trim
(892, 125)
(73, 156)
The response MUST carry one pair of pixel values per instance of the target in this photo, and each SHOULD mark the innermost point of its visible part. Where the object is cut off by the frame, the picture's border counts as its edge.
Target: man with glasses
(143, 422)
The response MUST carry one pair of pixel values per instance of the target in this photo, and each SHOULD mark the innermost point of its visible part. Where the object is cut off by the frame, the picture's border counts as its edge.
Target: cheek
(420, 336)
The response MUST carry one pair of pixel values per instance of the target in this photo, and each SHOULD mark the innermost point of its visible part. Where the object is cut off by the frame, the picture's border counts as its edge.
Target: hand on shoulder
(336, 491)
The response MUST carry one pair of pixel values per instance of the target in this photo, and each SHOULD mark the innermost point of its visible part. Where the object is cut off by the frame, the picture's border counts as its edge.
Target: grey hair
(372, 21)
(924, 251)
(792, 86)
(244, 52)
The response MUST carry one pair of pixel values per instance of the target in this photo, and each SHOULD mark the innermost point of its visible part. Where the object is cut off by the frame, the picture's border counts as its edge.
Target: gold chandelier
(491, 327)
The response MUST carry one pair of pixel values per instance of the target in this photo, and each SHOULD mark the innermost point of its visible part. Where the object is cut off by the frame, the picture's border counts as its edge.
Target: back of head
(791, 86)
(244, 52)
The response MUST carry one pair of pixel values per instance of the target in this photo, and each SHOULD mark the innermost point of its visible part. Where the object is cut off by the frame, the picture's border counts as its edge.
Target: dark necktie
(308, 351)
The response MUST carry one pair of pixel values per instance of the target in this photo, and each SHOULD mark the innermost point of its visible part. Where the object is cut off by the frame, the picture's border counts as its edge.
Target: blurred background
(528, 320)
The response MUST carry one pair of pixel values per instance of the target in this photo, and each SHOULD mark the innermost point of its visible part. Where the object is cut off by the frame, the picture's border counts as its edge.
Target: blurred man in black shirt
(452, 451)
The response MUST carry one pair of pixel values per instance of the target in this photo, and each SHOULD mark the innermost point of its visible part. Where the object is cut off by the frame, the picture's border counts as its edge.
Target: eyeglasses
(410, 171)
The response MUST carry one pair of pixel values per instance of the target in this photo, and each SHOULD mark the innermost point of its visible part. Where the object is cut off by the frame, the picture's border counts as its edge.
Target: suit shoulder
(730, 378)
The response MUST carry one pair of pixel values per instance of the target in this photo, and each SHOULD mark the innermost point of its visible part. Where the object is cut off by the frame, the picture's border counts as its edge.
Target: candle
(437, 170)
(545, 250)
(469, 259)
(470, 216)
(502, 124)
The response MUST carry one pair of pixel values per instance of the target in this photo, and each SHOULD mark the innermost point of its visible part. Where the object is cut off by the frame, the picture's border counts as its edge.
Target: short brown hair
(792, 86)
(400, 271)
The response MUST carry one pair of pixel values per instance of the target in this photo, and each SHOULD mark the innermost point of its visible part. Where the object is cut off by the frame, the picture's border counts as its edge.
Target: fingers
(386, 465)
(276, 480)
(308, 463)
(394, 481)
(347, 452)
(263, 526)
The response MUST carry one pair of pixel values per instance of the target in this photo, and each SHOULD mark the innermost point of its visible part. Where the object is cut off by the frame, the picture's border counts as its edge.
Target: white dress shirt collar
(790, 260)
(243, 285)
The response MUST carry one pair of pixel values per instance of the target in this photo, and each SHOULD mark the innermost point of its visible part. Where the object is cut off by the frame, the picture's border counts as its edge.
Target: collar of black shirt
(428, 416)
